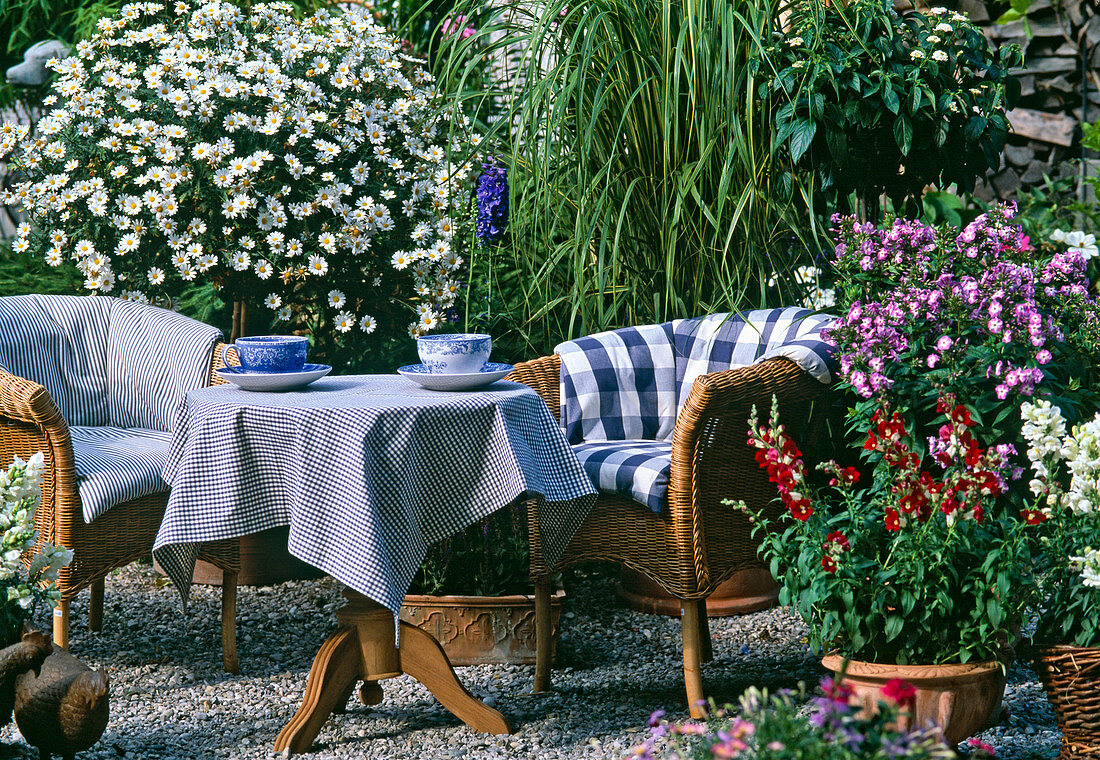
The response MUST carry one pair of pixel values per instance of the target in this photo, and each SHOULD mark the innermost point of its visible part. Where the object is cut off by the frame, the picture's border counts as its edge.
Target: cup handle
(225, 360)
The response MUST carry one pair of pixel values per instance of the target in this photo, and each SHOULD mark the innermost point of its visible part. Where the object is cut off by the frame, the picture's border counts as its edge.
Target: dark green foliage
(877, 104)
(490, 558)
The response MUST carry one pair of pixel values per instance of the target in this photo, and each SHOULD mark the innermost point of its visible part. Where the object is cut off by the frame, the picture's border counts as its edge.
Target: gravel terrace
(171, 699)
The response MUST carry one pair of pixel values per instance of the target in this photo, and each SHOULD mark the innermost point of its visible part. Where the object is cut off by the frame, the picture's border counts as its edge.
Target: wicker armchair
(695, 543)
(30, 421)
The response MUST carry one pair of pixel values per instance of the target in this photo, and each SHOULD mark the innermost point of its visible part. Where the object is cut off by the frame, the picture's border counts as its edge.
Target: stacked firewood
(1060, 88)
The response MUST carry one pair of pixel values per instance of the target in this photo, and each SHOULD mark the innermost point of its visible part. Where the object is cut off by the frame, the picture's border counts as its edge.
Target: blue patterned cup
(454, 354)
(270, 353)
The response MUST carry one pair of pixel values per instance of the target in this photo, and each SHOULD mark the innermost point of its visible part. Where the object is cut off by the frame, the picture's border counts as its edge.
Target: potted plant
(777, 727)
(920, 571)
(23, 585)
(303, 165)
(923, 553)
(474, 593)
(1066, 643)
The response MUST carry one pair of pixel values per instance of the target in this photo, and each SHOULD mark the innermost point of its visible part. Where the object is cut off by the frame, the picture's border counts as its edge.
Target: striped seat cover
(119, 372)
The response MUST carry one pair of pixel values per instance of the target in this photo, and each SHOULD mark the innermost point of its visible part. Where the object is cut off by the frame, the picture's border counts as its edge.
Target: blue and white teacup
(458, 354)
(270, 353)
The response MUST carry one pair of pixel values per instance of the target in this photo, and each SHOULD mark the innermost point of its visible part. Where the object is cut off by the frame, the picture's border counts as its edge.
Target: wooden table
(362, 649)
(395, 468)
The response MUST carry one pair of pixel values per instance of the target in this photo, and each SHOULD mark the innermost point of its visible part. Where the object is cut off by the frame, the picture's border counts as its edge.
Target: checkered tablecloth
(367, 471)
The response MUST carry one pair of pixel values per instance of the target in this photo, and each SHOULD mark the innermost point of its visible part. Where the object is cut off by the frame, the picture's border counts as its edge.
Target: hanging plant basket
(1071, 677)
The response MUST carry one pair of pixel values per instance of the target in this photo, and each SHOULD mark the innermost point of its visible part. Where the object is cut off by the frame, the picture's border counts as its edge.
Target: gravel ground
(171, 699)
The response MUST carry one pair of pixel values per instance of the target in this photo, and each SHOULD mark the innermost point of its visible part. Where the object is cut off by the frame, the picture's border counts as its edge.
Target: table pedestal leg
(362, 649)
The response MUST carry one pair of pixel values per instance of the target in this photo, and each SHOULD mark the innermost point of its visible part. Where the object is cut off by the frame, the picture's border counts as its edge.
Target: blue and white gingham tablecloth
(367, 471)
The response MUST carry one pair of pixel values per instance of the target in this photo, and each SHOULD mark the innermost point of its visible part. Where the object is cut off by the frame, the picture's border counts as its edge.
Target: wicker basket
(1071, 677)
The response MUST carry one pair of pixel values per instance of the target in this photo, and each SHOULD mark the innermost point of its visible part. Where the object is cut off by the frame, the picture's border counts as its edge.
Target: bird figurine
(15, 660)
(64, 709)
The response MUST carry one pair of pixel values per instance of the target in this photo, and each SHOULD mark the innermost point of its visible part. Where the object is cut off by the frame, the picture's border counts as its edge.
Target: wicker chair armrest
(216, 363)
(31, 421)
(544, 376)
(710, 456)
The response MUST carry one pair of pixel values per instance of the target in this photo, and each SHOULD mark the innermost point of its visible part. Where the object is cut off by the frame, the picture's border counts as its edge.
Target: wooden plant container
(479, 630)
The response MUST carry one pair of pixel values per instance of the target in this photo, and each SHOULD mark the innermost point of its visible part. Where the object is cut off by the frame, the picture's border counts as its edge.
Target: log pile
(1062, 60)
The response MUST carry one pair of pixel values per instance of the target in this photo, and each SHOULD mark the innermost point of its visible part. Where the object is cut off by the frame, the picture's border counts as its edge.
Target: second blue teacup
(270, 353)
(461, 353)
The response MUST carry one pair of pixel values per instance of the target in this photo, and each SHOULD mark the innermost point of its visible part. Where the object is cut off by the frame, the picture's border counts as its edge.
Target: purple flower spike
(492, 202)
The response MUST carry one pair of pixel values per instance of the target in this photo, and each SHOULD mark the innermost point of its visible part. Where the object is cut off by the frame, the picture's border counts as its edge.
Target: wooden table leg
(362, 649)
(335, 670)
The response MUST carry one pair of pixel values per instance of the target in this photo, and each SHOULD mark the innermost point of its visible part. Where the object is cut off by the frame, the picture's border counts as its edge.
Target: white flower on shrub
(20, 489)
(195, 140)
(1089, 567)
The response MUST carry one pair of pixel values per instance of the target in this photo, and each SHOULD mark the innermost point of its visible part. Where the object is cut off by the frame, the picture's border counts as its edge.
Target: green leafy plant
(1066, 490)
(643, 182)
(23, 587)
(491, 558)
(876, 103)
(925, 564)
(776, 726)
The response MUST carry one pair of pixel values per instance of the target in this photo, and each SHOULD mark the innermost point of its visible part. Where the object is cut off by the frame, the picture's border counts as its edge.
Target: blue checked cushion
(638, 469)
(621, 390)
(724, 341)
(115, 465)
(619, 385)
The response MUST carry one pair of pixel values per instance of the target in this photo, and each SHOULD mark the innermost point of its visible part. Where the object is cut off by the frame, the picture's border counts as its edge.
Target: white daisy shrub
(297, 164)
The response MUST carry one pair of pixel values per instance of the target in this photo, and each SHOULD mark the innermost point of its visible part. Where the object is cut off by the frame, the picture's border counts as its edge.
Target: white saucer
(464, 381)
(273, 381)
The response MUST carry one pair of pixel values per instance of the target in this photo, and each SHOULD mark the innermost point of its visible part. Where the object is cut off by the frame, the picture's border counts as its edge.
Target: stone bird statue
(32, 72)
(64, 709)
(28, 654)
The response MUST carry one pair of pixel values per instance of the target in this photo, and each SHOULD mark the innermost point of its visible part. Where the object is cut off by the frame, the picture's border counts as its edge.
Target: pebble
(171, 700)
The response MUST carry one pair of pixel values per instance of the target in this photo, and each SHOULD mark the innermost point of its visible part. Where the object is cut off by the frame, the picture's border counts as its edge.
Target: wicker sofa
(38, 333)
(695, 542)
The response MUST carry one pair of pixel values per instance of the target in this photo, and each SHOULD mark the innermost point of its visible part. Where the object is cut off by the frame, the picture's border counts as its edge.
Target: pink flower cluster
(970, 303)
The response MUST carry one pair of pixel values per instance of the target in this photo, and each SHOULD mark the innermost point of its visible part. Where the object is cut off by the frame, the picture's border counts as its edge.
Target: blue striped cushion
(619, 385)
(60, 342)
(114, 465)
(724, 341)
(638, 469)
(154, 356)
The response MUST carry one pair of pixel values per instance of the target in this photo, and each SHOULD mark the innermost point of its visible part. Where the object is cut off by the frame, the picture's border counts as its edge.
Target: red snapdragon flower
(1033, 516)
(893, 519)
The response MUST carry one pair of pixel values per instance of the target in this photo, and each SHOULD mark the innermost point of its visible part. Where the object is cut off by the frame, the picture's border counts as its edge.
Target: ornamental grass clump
(921, 563)
(1066, 490)
(24, 586)
(775, 726)
(305, 164)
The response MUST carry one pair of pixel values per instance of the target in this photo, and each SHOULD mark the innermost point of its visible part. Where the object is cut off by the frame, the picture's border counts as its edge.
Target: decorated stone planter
(960, 699)
(478, 630)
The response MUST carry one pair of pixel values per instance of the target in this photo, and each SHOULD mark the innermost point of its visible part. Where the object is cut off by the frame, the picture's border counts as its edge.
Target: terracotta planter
(960, 699)
(745, 591)
(1071, 678)
(476, 630)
